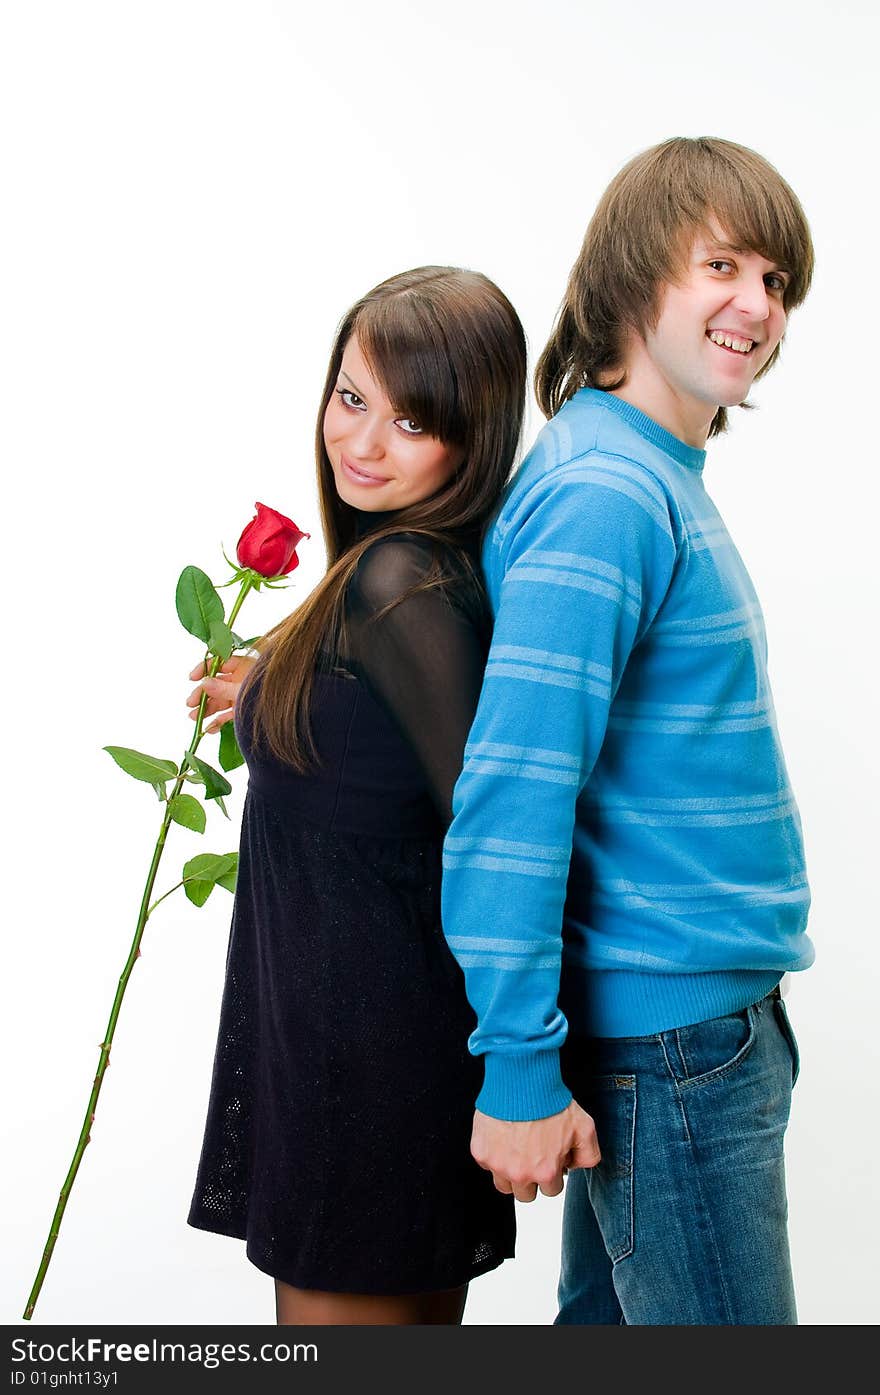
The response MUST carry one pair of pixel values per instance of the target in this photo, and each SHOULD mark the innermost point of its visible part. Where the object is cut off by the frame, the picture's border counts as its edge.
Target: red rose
(269, 542)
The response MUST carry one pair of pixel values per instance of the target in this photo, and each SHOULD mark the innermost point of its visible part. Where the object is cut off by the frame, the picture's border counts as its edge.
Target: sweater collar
(689, 456)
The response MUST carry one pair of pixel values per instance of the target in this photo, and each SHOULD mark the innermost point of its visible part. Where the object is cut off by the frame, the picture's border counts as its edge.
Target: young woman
(338, 1131)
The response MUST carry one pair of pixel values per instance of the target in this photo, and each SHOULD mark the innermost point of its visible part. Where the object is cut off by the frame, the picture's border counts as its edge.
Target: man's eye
(350, 398)
(409, 427)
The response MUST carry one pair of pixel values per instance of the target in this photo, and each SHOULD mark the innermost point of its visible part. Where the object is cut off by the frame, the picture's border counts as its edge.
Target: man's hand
(535, 1153)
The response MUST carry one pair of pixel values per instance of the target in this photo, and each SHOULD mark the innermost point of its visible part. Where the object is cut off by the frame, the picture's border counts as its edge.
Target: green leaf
(215, 783)
(203, 872)
(197, 603)
(198, 891)
(230, 753)
(160, 791)
(143, 767)
(210, 866)
(228, 880)
(189, 812)
(222, 806)
(221, 639)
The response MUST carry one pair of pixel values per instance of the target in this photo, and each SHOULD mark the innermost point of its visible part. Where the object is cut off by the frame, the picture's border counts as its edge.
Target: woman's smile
(359, 475)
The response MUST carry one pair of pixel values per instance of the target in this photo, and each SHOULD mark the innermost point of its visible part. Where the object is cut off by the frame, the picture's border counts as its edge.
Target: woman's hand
(222, 691)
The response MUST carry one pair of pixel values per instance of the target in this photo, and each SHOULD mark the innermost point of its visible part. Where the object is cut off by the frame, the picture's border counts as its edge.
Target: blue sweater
(626, 852)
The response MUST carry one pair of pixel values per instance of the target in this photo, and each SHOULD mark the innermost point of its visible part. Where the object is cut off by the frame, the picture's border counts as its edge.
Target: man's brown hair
(638, 239)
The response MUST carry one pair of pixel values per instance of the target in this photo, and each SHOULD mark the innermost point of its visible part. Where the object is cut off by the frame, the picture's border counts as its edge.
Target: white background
(194, 192)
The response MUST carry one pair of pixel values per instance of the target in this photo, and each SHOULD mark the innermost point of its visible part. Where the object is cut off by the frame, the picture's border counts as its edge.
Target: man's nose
(752, 299)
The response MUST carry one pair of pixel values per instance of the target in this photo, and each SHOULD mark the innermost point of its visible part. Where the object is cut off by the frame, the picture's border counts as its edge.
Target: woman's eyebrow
(343, 374)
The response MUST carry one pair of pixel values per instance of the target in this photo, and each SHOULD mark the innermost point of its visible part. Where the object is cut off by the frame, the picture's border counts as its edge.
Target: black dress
(341, 1104)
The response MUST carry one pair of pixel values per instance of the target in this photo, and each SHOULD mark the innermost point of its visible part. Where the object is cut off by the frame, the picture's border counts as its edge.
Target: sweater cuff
(523, 1087)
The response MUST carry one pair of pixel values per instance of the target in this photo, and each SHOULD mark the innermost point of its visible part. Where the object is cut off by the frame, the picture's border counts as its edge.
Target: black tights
(300, 1307)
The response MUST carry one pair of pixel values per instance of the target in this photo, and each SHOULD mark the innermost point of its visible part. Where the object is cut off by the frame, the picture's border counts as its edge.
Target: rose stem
(104, 1060)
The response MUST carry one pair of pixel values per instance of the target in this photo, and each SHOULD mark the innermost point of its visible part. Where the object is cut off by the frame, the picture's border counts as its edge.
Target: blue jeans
(684, 1220)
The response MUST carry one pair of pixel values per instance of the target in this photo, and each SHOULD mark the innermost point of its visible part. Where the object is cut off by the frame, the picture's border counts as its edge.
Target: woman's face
(380, 460)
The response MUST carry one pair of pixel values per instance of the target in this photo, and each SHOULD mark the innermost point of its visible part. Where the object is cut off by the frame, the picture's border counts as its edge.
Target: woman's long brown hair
(449, 351)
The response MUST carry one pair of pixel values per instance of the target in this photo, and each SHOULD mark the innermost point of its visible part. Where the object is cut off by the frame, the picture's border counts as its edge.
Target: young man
(624, 881)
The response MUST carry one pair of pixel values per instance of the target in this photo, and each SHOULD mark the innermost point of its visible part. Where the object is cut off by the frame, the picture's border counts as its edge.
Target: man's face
(717, 327)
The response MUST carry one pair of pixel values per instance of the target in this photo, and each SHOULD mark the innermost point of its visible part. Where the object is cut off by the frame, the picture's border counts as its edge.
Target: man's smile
(734, 343)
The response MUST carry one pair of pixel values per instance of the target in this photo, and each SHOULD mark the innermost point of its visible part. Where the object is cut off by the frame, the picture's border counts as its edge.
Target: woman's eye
(779, 283)
(718, 263)
(350, 398)
(409, 427)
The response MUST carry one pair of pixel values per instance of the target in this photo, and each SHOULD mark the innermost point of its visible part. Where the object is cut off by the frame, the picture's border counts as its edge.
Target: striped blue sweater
(626, 852)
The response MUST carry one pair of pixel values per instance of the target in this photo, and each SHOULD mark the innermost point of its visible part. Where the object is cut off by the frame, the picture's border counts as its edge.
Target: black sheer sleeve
(424, 658)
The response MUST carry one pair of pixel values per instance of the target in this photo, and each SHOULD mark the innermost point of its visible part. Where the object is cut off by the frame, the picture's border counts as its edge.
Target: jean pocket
(611, 1101)
(706, 1051)
(787, 1030)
